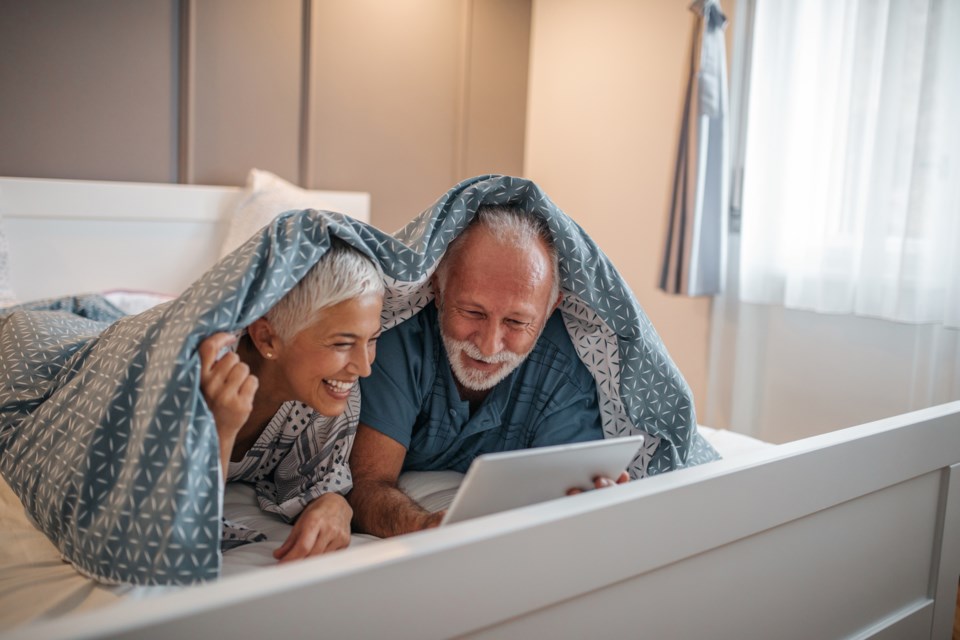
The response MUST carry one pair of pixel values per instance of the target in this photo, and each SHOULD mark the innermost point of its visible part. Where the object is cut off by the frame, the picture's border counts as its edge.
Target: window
(851, 175)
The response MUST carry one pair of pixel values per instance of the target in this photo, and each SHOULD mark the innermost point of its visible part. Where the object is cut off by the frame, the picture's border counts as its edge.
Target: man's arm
(380, 508)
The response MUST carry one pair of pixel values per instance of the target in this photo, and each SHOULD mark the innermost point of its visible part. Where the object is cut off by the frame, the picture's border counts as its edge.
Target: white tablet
(500, 481)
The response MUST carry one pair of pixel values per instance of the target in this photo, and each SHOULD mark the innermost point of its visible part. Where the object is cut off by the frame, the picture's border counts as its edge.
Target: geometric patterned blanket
(639, 387)
(104, 433)
(106, 439)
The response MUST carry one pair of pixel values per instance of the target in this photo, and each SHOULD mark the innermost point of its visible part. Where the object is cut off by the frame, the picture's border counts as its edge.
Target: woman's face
(323, 362)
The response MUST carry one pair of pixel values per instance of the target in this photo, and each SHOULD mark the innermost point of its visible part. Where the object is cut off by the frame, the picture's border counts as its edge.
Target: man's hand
(434, 519)
(602, 481)
(323, 526)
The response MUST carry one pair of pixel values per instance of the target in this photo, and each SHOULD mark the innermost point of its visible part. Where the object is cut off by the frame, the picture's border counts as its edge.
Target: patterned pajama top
(299, 456)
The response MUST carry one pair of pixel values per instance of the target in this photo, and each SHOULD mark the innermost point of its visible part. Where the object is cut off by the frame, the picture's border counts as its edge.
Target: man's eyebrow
(468, 305)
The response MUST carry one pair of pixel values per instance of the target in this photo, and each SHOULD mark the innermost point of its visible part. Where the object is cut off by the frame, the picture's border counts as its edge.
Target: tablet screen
(510, 479)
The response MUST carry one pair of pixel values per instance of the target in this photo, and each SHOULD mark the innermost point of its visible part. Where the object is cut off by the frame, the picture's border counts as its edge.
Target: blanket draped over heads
(106, 438)
(639, 387)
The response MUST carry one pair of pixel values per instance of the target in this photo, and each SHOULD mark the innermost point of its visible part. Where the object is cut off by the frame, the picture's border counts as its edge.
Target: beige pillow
(266, 196)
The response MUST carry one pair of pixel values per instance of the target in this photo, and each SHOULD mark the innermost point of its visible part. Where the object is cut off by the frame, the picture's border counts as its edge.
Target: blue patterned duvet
(106, 439)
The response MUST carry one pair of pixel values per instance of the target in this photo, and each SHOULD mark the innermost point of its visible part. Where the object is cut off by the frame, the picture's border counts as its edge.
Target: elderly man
(489, 368)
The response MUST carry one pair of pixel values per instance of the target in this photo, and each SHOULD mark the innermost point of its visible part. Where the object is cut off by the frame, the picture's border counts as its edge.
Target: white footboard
(851, 534)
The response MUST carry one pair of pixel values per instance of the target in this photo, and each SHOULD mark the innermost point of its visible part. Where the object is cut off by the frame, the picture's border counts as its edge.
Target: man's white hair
(341, 274)
(511, 226)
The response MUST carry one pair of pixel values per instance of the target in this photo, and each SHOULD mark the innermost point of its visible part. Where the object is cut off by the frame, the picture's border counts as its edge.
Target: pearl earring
(269, 355)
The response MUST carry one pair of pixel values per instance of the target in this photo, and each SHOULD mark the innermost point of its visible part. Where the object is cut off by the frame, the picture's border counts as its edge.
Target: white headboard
(75, 236)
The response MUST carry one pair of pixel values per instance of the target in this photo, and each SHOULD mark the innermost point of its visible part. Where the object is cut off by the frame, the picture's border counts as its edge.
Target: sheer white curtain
(851, 191)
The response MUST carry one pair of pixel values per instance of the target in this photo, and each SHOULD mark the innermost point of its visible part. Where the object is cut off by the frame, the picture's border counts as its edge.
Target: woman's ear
(264, 338)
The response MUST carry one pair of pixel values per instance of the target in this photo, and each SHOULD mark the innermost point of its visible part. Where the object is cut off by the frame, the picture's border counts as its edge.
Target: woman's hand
(323, 526)
(226, 383)
(228, 387)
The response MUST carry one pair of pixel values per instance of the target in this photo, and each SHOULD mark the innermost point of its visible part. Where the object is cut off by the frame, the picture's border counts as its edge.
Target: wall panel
(88, 89)
(245, 91)
(402, 98)
(384, 113)
(495, 103)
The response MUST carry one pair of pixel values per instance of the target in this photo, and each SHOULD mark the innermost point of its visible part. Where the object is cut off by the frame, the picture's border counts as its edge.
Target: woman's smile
(339, 388)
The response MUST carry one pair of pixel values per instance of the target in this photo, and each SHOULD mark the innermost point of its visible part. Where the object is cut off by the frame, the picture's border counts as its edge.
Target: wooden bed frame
(854, 533)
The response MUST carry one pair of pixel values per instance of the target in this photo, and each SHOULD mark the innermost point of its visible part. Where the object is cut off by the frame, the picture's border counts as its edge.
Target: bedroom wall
(781, 375)
(88, 89)
(605, 97)
(402, 99)
(413, 96)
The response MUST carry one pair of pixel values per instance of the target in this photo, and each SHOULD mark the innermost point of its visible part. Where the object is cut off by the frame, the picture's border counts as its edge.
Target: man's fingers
(601, 482)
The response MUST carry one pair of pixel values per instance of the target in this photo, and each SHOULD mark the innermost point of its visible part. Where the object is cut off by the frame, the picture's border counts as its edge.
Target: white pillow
(7, 296)
(432, 490)
(267, 195)
(240, 506)
(133, 302)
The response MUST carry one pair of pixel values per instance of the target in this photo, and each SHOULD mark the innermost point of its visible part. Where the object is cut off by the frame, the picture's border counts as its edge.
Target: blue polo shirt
(411, 397)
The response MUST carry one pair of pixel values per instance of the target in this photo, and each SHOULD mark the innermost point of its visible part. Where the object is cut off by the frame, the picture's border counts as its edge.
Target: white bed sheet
(36, 584)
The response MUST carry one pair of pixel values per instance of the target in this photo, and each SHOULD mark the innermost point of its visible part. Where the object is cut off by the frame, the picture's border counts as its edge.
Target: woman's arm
(228, 388)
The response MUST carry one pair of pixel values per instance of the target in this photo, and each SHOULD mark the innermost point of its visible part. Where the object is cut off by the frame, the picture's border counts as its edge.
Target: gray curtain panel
(695, 249)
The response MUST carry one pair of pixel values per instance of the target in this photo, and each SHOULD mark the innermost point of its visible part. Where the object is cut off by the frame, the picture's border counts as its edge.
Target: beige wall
(405, 99)
(88, 89)
(411, 97)
(603, 110)
(386, 84)
(400, 98)
(243, 89)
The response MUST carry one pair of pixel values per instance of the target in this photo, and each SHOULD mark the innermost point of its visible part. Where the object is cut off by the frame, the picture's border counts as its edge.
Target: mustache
(502, 356)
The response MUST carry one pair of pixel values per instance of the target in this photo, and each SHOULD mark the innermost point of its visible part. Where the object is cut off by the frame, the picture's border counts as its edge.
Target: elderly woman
(286, 401)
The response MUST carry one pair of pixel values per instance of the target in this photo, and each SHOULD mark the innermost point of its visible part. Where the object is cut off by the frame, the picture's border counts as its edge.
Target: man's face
(495, 305)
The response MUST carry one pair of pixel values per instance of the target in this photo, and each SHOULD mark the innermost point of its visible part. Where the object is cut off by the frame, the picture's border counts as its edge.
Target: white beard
(474, 379)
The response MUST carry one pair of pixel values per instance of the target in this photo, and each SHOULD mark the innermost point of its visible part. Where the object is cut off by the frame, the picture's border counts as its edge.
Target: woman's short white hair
(511, 226)
(341, 274)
